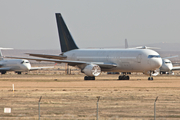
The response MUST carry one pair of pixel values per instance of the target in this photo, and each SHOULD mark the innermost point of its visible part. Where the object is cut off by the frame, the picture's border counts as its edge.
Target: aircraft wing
(39, 68)
(170, 57)
(72, 63)
(48, 56)
(175, 68)
(5, 69)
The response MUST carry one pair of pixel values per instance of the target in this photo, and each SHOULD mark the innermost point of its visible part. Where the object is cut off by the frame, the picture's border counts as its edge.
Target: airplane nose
(157, 63)
(27, 66)
(169, 67)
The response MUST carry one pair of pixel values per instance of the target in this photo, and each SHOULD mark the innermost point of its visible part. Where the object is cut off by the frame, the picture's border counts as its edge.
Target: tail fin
(66, 41)
(126, 43)
(1, 55)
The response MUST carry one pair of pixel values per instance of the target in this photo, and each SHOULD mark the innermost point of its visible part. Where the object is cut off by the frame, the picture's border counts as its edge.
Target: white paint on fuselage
(127, 60)
(166, 65)
(16, 64)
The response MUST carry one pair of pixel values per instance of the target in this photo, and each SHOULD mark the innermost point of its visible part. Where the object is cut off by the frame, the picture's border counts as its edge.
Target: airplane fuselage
(127, 60)
(15, 65)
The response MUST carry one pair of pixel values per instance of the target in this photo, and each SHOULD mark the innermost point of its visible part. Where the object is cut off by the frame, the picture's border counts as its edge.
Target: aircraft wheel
(3, 72)
(120, 77)
(127, 77)
(89, 78)
(150, 78)
(18, 73)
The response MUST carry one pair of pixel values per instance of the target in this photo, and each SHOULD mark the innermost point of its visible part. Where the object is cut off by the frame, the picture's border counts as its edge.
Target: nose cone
(166, 67)
(156, 63)
(28, 66)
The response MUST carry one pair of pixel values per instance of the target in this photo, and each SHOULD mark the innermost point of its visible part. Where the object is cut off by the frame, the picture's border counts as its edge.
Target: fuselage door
(139, 57)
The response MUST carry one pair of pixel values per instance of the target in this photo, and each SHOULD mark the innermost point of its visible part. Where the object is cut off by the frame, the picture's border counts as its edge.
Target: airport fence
(102, 108)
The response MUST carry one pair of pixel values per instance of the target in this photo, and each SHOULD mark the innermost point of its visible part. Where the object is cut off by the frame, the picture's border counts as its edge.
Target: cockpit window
(154, 56)
(24, 62)
(167, 62)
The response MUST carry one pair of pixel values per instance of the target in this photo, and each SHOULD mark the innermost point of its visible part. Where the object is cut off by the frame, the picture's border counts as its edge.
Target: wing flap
(48, 56)
(72, 63)
(39, 68)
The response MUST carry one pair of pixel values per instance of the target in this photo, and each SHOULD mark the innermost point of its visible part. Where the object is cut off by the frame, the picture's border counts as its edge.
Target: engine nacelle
(92, 70)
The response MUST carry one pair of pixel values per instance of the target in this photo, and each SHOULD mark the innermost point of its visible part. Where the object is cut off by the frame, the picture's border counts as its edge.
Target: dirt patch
(70, 97)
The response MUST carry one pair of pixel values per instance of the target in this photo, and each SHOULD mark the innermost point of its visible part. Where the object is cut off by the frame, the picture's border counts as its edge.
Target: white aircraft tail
(126, 43)
(1, 55)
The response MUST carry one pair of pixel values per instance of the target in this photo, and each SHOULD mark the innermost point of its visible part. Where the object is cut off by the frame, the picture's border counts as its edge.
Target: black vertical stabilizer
(66, 41)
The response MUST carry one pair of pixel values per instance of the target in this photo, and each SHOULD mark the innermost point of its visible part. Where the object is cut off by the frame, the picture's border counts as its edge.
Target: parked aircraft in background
(167, 66)
(17, 65)
(93, 61)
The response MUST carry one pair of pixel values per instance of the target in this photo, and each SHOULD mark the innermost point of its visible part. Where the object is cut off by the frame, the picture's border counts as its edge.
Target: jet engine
(92, 70)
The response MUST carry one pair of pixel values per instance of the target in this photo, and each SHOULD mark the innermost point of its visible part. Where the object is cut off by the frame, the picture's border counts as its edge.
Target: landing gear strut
(150, 78)
(89, 78)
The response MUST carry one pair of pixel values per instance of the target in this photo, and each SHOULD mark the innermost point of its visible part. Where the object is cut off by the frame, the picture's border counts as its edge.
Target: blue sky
(31, 24)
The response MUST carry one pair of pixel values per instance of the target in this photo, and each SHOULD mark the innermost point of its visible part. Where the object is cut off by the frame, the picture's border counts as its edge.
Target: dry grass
(70, 97)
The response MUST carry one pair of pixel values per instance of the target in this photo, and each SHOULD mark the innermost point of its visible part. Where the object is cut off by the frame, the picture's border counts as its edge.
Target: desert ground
(70, 97)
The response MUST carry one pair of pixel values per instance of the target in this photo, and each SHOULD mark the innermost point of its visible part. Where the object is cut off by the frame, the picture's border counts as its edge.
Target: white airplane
(93, 61)
(167, 66)
(17, 65)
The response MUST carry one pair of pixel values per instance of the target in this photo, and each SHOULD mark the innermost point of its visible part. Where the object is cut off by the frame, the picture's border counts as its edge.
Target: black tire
(3, 72)
(85, 78)
(89, 78)
(18, 73)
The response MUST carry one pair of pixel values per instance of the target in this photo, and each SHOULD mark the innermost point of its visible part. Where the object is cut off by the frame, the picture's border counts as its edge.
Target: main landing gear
(3, 72)
(124, 77)
(18, 73)
(89, 78)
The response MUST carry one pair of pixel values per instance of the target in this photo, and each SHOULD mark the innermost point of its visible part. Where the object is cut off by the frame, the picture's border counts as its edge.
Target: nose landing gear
(150, 78)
